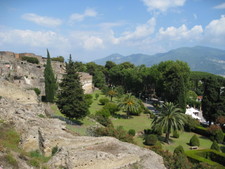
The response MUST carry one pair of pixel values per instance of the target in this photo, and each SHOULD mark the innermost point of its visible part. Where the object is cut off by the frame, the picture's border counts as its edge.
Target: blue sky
(92, 29)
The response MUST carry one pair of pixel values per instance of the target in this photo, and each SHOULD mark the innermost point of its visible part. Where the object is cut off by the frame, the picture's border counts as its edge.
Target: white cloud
(87, 40)
(33, 38)
(220, 6)
(80, 17)
(215, 31)
(141, 31)
(93, 42)
(181, 33)
(163, 5)
(42, 20)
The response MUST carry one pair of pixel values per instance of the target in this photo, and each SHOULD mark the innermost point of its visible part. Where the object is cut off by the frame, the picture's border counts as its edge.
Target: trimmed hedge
(209, 156)
(194, 141)
(204, 132)
(201, 130)
(178, 150)
(215, 146)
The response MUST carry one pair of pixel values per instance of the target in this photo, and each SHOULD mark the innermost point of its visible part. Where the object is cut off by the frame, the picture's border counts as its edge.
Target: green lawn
(95, 106)
(184, 139)
(138, 123)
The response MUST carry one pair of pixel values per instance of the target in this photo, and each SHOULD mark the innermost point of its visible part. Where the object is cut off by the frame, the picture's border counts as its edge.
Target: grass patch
(95, 106)
(138, 123)
(56, 111)
(37, 159)
(41, 115)
(81, 129)
(9, 138)
(184, 139)
(11, 160)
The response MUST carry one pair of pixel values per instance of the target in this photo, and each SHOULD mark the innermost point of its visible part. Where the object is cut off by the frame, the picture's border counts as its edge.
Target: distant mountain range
(199, 58)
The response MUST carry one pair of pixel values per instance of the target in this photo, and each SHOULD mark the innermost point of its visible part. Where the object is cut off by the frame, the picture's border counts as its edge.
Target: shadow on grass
(203, 137)
(162, 140)
(120, 116)
(69, 121)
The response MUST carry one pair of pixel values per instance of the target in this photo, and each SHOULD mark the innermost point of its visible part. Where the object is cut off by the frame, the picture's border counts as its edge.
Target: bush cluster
(102, 116)
(103, 101)
(111, 107)
(132, 132)
(176, 134)
(178, 150)
(151, 139)
(59, 59)
(118, 133)
(30, 59)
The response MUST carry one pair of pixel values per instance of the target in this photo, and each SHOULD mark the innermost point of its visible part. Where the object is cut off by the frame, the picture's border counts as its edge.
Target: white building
(195, 114)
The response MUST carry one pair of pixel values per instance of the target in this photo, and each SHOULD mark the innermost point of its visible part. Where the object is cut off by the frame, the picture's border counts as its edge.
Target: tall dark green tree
(211, 100)
(71, 100)
(175, 82)
(50, 80)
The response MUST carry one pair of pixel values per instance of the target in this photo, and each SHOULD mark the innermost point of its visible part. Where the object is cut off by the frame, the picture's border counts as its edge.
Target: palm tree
(129, 104)
(170, 119)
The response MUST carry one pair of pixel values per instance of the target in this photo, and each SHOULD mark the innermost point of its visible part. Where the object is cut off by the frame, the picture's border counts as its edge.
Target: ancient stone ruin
(28, 75)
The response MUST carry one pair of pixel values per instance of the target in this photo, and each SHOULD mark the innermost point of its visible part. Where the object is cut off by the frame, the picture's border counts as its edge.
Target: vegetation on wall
(30, 59)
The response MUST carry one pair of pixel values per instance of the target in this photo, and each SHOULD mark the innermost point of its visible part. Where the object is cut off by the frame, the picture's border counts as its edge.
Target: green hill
(199, 58)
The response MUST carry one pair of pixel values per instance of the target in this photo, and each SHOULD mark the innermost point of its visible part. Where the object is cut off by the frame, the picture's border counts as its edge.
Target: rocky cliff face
(74, 152)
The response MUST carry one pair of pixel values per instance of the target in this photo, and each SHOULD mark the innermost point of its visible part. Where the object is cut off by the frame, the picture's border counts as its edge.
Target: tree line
(170, 81)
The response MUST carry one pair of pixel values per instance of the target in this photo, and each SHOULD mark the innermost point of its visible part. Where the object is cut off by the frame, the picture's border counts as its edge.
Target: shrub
(112, 107)
(102, 116)
(118, 133)
(34, 163)
(190, 124)
(54, 150)
(88, 99)
(194, 141)
(37, 91)
(41, 116)
(219, 136)
(59, 59)
(176, 134)
(96, 96)
(103, 120)
(215, 146)
(132, 132)
(158, 145)
(178, 150)
(11, 160)
(151, 139)
(103, 101)
(30, 59)
(149, 131)
(213, 129)
(103, 112)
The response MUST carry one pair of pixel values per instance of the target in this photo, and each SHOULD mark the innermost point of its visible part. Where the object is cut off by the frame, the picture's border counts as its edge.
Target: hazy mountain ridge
(199, 58)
